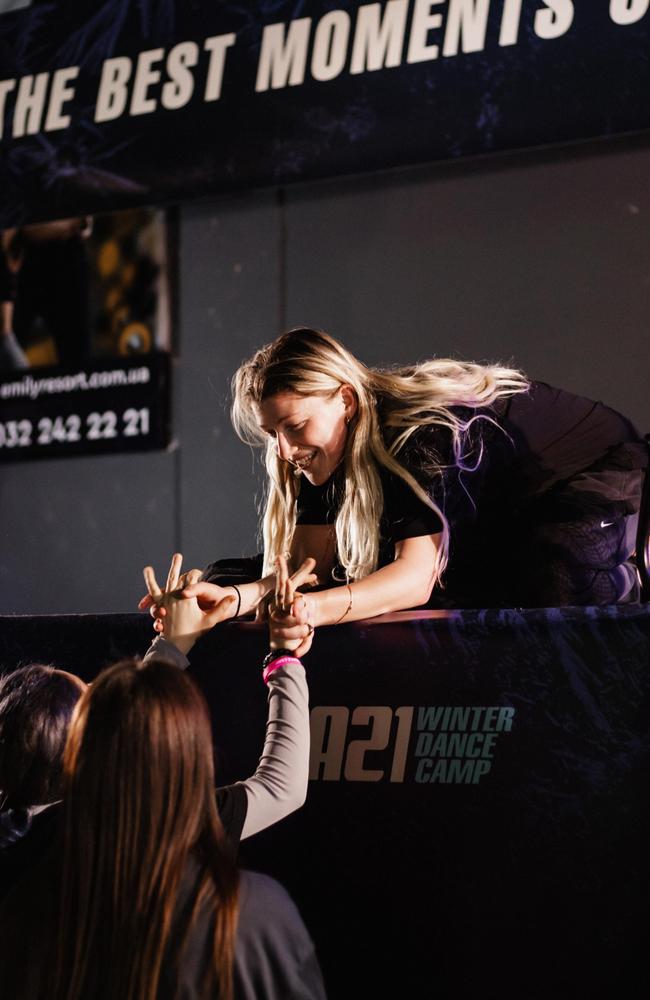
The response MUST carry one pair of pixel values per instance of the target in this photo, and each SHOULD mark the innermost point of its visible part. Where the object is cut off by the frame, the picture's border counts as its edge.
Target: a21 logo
(451, 745)
(334, 757)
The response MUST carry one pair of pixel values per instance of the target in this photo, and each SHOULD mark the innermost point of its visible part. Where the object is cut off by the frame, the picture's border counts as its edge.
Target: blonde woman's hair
(391, 405)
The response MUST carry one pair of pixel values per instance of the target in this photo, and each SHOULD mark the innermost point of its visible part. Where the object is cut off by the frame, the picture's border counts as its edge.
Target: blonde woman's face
(309, 431)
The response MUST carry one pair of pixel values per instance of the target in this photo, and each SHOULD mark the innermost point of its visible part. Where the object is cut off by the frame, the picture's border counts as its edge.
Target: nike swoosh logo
(606, 524)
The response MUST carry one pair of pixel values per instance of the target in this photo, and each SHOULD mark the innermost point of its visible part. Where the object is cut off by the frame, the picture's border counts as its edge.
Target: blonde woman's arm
(407, 582)
(210, 598)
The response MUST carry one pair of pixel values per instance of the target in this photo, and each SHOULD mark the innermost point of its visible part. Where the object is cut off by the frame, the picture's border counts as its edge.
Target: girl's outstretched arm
(279, 784)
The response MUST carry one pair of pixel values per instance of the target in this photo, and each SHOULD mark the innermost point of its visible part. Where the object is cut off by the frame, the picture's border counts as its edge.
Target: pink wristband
(275, 664)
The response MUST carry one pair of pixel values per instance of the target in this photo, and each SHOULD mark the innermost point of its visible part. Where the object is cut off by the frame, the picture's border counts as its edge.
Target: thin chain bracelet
(348, 609)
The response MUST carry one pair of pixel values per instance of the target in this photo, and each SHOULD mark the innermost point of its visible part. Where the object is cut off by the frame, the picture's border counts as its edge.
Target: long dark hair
(36, 706)
(139, 804)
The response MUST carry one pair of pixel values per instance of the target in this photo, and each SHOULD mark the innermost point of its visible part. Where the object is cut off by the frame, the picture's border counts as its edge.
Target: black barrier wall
(477, 820)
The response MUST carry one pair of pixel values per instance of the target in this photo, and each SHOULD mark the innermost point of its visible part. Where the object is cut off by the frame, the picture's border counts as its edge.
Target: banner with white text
(112, 104)
(121, 405)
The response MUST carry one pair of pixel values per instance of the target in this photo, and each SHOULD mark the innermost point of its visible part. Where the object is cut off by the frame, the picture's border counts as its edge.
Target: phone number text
(72, 428)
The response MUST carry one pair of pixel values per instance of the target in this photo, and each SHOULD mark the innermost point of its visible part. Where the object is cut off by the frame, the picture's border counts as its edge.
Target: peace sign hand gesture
(184, 620)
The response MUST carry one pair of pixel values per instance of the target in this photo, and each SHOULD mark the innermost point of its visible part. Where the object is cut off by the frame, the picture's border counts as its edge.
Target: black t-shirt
(24, 840)
(275, 957)
(232, 805)
(405, 514)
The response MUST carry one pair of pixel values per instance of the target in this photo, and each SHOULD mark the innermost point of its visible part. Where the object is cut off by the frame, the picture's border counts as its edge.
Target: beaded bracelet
(348, 609)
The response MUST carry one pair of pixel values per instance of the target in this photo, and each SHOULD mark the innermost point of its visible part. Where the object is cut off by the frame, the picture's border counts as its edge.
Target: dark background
(540, 259)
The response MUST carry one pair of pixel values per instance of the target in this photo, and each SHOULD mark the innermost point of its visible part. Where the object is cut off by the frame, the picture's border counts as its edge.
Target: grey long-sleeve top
(279, 784)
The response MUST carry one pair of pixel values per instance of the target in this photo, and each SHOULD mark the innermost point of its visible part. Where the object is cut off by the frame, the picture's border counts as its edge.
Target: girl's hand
(181, 617)
(209, 597)
(150, 600)
(290, 613)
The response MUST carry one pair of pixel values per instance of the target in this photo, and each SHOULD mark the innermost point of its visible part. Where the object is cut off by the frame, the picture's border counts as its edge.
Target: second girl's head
(36, 706)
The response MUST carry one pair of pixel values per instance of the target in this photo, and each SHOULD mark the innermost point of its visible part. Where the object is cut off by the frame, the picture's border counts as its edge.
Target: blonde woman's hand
(290, 612)
(209, 598)
(181, 618)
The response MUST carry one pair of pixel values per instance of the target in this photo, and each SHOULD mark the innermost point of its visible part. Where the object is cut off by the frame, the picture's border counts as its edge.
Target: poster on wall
(85, 335)
(115, 103)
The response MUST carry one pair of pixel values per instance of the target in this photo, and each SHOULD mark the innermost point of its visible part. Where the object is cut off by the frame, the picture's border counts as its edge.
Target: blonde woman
(448, 483)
